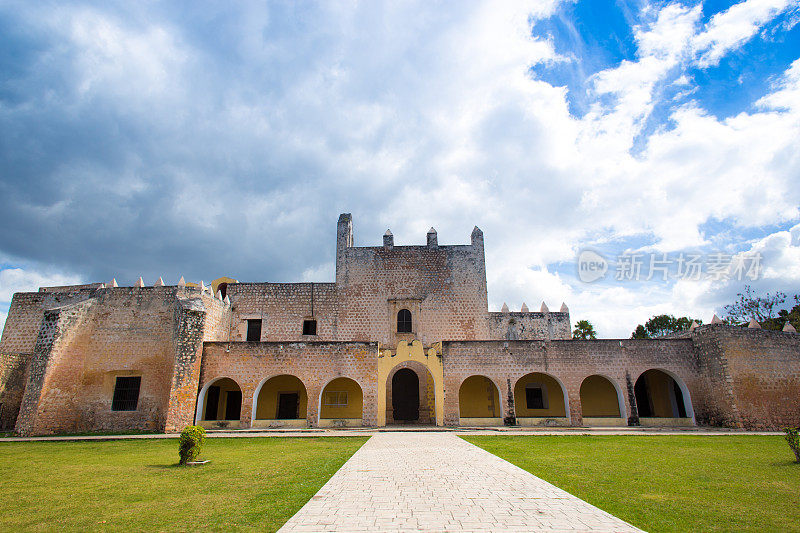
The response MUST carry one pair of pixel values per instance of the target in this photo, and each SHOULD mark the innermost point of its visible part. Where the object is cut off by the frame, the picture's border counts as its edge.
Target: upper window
(126, 393)
(404, 321)
(309, 327)
(254, 330)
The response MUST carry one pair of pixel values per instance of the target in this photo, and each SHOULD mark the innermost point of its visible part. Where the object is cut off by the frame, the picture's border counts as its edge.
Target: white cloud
(735, 26)
(18, 280)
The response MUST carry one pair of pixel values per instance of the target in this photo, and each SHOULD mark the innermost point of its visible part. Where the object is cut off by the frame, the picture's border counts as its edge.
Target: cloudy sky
(169, 139)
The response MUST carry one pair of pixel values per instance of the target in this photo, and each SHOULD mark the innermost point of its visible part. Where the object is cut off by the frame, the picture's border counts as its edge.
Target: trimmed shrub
(793, 438)
(191, 443)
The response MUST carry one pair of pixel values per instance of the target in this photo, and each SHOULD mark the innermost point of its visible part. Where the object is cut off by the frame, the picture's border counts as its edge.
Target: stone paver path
(439, 482)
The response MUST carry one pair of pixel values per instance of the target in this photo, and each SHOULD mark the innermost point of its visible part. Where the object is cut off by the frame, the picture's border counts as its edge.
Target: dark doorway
(288, 403)
(405, 395)
(212, 402)
(642, 393)
(233, 407)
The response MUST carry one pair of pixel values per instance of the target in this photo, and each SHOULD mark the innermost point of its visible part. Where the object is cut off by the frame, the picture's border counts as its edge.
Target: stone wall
(282, 307)
(759, 371)
(152, 332)
(529, 326)
(250, 364)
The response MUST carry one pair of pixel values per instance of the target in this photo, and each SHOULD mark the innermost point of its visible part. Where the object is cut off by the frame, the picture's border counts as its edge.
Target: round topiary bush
(191, 443)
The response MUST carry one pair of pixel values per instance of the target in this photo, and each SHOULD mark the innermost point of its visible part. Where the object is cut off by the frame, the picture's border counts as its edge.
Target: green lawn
(668, 483)
(129, 485)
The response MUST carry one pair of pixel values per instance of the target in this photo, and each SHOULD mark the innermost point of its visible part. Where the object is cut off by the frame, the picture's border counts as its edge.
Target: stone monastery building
(403, 335)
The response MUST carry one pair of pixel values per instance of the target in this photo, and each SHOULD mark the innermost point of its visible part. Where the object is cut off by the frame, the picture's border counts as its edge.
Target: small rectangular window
(309, 327)
(534, 397)
(254, 330)
(336, 398)
(126, 393)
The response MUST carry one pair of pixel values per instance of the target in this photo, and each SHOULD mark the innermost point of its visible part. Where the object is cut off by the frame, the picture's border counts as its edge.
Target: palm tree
(584, 330)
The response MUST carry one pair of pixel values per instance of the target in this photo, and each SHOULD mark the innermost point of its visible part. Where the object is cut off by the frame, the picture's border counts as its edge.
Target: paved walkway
(435, 481)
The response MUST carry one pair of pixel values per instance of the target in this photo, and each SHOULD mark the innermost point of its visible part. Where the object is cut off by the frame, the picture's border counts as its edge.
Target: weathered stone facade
(96, 357)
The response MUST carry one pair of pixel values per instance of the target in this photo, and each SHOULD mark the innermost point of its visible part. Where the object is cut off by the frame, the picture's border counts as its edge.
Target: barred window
(335, 398)
(126, 393)
(404, 321)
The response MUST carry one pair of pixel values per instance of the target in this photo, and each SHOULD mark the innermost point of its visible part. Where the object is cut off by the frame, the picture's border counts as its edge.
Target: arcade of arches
(539, 398)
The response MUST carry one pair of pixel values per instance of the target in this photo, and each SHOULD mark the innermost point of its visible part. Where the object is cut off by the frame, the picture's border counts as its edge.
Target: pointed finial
(433, 238)
(716, 320)
(202, 287)
(753, 324)
(564, 308)
(388, 232)
(788, 328)
(694, 325)
(504, 309)
(524, 308)
(544, 308)
(219, 295)
(113, 283)
(181, 283)
(227, 300)
(102, 286)
(159, 282)
(139, 282)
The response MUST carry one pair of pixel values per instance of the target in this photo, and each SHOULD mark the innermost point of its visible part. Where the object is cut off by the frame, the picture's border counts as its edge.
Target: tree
(777, 323)
(661, 325)
(584, 330)
(749, 306)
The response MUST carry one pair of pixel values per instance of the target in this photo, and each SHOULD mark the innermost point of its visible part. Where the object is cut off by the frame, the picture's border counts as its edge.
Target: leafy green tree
(791, 316)
(749, 306)
(661, 325)
(584, 330)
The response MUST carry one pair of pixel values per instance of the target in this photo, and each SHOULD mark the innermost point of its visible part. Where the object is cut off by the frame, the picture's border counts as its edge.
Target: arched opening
(405, 397)
(662, 399)
(540, 400)
(280, 401)
(479, 402)
(601, 402)
(341, 404)
(220, 404)
(404, 321)
(410, 395)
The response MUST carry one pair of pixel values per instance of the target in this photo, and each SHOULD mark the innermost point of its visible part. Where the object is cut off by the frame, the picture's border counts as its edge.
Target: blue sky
(199, 139)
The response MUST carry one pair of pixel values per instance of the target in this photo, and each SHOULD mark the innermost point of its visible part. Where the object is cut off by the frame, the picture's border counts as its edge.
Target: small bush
(793, 438)
(191, 443)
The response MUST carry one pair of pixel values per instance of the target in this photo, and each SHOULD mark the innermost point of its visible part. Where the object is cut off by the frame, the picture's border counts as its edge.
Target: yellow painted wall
(355, 400)
(478, 398)
(555, 396)
(223, 279)
(430, 358)
(225, 385)
(267, 403)
(599, 397)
